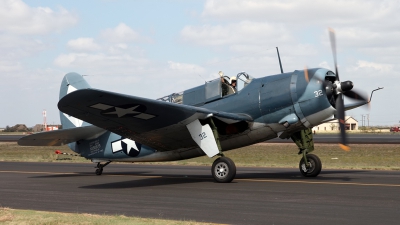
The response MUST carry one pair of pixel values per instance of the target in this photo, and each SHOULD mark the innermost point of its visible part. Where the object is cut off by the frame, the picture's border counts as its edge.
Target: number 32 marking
(318, 93)
(202, 135)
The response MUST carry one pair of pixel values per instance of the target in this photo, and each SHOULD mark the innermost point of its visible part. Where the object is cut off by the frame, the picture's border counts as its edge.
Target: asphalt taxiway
(256, 196)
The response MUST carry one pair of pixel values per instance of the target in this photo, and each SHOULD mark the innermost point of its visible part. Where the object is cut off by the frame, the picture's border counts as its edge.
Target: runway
(386, 138)
(256, 196)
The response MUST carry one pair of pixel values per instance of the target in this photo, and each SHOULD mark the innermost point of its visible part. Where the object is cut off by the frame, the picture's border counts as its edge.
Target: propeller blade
(333, 45)
(356, 96)
(340, 114)
(306, 74)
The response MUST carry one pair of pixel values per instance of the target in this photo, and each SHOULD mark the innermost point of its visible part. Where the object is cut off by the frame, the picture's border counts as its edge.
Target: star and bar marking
(121, 111)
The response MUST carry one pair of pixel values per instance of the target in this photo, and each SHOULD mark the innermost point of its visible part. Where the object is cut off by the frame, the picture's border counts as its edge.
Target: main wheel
(315, 166)
(99, 171)
(223, 170)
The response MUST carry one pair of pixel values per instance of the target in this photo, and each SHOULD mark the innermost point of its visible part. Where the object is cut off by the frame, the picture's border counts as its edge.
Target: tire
(99, 171)
(223, 170)
(315, 168)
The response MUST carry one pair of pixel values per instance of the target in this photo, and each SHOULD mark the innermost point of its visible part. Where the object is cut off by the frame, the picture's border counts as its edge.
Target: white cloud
(99, 61)
(118, 48)
(16, 17)
(375, 67)
(8, 67)
(248, 30)
(120, 34)
(244, 44)
(358, 24)
(325, 64)
(23, 31)
(83, 45)
(16, 47)
(185, 67)
(113, 52)
(327, 13)
(245, 32)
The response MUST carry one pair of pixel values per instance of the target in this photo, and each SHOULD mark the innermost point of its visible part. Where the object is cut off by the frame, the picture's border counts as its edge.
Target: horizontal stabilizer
(61, 137)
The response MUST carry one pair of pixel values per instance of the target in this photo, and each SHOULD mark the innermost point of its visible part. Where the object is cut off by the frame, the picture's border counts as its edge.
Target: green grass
(361, 156)
(11, 151)
(14, 216)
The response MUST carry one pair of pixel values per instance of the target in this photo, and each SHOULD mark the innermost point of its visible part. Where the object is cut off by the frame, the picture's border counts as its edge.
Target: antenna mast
(280, 63)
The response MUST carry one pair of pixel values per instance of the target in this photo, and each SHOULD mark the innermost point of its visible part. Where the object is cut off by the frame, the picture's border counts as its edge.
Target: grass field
(361, 156)
(14, 216)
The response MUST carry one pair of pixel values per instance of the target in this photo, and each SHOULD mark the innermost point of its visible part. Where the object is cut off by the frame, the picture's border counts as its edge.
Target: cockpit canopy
(210, 91)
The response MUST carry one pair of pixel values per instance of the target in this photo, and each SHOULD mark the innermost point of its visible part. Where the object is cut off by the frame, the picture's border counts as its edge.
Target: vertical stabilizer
(70, 83)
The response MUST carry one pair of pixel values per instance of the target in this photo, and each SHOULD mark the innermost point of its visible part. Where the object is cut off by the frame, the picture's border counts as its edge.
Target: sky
(154, 48)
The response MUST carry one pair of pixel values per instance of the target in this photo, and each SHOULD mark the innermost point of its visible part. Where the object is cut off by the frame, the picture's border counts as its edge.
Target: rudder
(70, 83)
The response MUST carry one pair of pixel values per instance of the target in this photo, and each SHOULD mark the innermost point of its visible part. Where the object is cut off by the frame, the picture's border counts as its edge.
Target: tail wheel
(223, 170)
(99, 171)
(313, 168)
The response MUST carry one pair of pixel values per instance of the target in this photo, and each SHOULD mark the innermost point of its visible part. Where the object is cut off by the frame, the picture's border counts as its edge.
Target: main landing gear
(99, 167)
(223, 170)
(310, 165)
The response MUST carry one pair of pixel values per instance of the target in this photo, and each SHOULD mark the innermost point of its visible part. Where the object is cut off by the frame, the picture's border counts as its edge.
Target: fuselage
(279, 105)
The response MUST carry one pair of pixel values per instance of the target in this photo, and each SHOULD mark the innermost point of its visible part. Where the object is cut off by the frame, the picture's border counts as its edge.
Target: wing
(157, 124)
(61, 137)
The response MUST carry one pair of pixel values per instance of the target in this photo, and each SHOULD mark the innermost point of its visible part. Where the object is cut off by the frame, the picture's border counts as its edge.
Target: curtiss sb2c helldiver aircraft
(206, 120)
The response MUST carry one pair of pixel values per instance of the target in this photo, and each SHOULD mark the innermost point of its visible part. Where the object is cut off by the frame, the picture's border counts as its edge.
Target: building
(350, 124)
(40, 127)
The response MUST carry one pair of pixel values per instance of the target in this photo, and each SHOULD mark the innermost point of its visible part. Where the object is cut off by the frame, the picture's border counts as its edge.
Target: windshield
(243, 79)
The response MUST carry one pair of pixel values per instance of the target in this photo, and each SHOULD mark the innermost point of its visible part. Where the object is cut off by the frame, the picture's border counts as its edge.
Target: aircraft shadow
(150, 182)
(163, 179)
(342, 175)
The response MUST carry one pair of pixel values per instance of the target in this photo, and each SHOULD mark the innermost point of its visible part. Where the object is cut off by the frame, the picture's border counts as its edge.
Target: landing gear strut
(310, 165)
(223, 170)
(99, 167)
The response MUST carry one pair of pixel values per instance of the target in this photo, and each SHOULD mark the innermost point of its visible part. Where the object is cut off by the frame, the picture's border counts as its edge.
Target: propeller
(339, 89)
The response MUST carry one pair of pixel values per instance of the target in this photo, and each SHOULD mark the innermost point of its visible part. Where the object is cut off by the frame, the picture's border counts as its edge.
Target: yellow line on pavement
(54, 173)
(320, 182)
(32, 172)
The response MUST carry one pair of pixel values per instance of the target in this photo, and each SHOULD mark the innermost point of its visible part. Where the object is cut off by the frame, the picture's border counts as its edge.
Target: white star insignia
(130, 144)
(122, 112)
